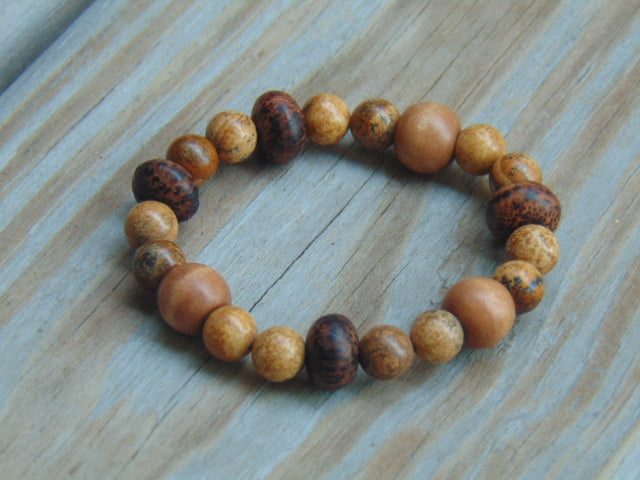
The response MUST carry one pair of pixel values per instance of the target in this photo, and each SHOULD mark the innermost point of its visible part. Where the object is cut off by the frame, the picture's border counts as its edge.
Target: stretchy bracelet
(480, 312)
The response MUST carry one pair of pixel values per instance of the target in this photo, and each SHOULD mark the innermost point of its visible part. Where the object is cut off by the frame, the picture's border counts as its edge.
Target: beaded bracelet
(195, 299)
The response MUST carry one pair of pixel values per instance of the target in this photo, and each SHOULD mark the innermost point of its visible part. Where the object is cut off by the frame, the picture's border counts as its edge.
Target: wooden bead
(332, 352)
(522, 203)
(524, 282)
(385, 352)
(426, 136)
(189, 293)
(281, 131)
(196, 154)
(278, 353)
(485, 309)
(478, 147)
(327, 119)
(514, 167)
(153, 260)
(437, 336)
(234, 135)
(534, 244)
(229, 332)
(169, 183)
(373, 123)
(149, 221)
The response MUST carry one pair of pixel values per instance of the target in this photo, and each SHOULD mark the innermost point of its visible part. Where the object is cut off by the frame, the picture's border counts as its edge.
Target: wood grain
(94, 385)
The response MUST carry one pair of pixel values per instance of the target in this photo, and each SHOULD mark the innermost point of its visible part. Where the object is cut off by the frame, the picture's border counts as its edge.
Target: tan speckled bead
(514, 167)
(437, 336)
(153, 260)
(478, 147)
(278, 353)
(534, 244)
(149, 221)
(386, 352)
(196, 154)
(327, 118)
(229, 332)
(234, 136)
(524, 282)
(373, 123)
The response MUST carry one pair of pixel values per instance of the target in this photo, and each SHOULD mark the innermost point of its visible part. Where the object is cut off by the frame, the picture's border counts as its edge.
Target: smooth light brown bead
(327, 118)
(278, 353)
(153, 260)
(150, 221)
(485, 309)
(229, 332)
(189, 293)
(478, 147)
(373, 123)
(437, 336)
(524, 282)
(196, 154)
(386, 352)
(426, 136)
(534, 244)
(234, 135)
(514, 167)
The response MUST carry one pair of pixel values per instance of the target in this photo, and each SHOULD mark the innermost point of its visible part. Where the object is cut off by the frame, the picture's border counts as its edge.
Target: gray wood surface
(94, 385)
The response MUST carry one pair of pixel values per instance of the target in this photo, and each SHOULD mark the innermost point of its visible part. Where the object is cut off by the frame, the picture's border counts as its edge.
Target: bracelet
(478, 312)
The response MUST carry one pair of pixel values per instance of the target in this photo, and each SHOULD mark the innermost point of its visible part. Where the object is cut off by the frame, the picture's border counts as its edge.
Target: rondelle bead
(534, 244)
(478, 147)
(281, 131)
(149, 221)
(234, 136)
(327, 119)
(278, 353)
(522, 203)
(196, 154)
(426, 136)
(169, 183)
(229, 332)
(188, 293)
(373, 123)
(385, 352)
(332, 352)
(485, 309)
(153, 260)
(514, 167)
(524, 282)
(437, 336)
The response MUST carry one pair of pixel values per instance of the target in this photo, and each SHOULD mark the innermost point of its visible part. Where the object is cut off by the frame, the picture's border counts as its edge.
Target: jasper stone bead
(327, 119)
(386, 352)
(149, 221)
(196, 154)
(153, 260)
(514, 167)
(522, 203)
(524, 282)
(332, 352)
(437, 336)
(229, 332)
(373, 123)
(478, 147)
(278, 354)
(169, 183)
(281, 130)
(234, 135)
(534, 244)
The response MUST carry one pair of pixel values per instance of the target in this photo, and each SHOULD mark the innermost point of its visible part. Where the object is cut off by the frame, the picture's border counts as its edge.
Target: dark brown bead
(522, 203)
(280, 124)
(153, 260)
(169, 183)
(332, 352)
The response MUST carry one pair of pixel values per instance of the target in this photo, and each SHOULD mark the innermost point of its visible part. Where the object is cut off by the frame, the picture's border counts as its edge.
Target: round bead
(187, 295)
(373, 123)
(234, 136)
(478, 147)
(153, 260)
(514, 167)
(281, 131)
(524, 282)
(426, 137)
(385, 352)
(485, 309)
(522, 203)
(196, 154)
(534, 244)
(332, 352)
(278, 354)
(437, 336)
(327, 119)
(149, 221)
(229, 332)
(169, 183)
